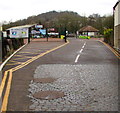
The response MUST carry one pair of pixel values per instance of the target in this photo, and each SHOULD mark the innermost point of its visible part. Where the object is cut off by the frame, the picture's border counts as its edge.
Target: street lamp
(65, 35)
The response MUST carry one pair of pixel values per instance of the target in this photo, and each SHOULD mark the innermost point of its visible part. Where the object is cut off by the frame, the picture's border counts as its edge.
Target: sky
(12, 10)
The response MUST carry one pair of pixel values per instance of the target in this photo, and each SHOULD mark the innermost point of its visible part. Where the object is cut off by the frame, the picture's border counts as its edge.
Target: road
(80, 76)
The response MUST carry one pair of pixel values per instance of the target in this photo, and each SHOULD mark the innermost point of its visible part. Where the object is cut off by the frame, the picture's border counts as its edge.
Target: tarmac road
(86, 71)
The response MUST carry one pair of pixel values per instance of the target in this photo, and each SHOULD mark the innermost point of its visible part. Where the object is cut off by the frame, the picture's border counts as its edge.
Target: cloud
(19, 9)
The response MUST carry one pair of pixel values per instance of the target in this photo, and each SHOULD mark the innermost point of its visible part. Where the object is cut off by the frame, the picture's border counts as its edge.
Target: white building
(117, 25)
(89, 31)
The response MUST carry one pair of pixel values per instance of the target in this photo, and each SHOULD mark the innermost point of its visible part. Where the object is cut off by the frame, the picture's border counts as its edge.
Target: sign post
(29, 35)
(47, 34)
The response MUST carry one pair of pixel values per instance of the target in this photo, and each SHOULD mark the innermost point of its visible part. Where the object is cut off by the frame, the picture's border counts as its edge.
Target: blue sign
(14, 33)
(43, 31)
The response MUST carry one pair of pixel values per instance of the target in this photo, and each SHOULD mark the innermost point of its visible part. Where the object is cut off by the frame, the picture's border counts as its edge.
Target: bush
(84, 37)
(108, 36)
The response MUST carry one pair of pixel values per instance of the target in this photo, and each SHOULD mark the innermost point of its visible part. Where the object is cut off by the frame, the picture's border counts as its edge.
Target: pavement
(53, 76)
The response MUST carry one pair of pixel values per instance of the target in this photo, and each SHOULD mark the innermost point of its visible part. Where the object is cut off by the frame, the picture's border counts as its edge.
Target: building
(88, 31)
(20, 31)
(116, 10)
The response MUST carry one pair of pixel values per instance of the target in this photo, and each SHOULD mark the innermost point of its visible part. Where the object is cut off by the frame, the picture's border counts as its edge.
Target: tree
(108, 22)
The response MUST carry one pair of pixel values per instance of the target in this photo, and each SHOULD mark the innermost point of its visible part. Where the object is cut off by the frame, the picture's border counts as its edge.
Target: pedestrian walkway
(21, 73)
(34, 49)
(45, 77)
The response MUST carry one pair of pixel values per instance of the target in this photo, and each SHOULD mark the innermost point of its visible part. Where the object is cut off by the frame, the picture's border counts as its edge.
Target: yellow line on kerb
(36, 57)
(8, 87)
(3, 83)
(115, 52)
(7, 92)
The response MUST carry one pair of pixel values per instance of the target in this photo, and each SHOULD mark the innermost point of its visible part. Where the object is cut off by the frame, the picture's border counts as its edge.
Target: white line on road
(81, 50)
(84, 45)
(76, 60)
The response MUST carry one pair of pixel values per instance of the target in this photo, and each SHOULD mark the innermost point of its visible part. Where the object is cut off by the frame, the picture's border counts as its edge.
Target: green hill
(59, 20)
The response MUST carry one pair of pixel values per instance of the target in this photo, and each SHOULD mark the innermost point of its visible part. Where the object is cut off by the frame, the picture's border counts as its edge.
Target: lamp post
(65, 35)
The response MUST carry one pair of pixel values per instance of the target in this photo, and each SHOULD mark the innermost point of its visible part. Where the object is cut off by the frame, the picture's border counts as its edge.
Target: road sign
(43, 31)
(39, 26)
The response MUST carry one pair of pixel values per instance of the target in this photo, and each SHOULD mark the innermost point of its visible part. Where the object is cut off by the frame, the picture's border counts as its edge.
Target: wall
(9, 46)
(117, 27)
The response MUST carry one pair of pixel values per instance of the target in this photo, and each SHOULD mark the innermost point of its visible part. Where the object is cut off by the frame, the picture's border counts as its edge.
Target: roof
(116, 4)
(88, 28)
(24, 26)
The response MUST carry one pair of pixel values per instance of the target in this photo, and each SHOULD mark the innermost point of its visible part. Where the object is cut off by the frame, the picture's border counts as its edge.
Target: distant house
(88, 31)
(116, 9)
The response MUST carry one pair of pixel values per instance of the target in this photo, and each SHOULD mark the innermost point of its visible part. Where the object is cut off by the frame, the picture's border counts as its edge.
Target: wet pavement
(35, 48)
(55, 82)
(86, 88)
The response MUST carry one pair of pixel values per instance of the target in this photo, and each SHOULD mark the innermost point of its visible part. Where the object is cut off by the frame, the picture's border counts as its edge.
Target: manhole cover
(44, 80)
(48, 95)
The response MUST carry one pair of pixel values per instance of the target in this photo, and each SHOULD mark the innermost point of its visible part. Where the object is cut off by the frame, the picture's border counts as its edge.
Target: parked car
(36, 36)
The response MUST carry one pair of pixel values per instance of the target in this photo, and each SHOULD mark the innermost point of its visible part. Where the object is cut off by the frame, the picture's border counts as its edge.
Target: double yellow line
(36, 57)
(8, 73)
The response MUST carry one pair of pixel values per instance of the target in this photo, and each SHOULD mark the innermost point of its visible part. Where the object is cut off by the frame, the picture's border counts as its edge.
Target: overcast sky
(12, 10)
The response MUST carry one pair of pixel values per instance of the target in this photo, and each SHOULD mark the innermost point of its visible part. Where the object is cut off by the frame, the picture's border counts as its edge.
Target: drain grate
(45, 80)
(48, 95)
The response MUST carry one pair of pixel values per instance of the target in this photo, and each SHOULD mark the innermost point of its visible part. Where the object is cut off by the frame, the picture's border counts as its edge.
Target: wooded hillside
(71, 20)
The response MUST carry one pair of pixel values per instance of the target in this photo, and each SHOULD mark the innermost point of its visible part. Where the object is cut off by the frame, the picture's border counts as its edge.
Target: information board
(19, 33)
(43, 31)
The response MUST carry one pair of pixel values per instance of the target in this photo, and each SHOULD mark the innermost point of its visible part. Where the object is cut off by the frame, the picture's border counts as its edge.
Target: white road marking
(76, 60)
(81, 50)
(84, 45)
